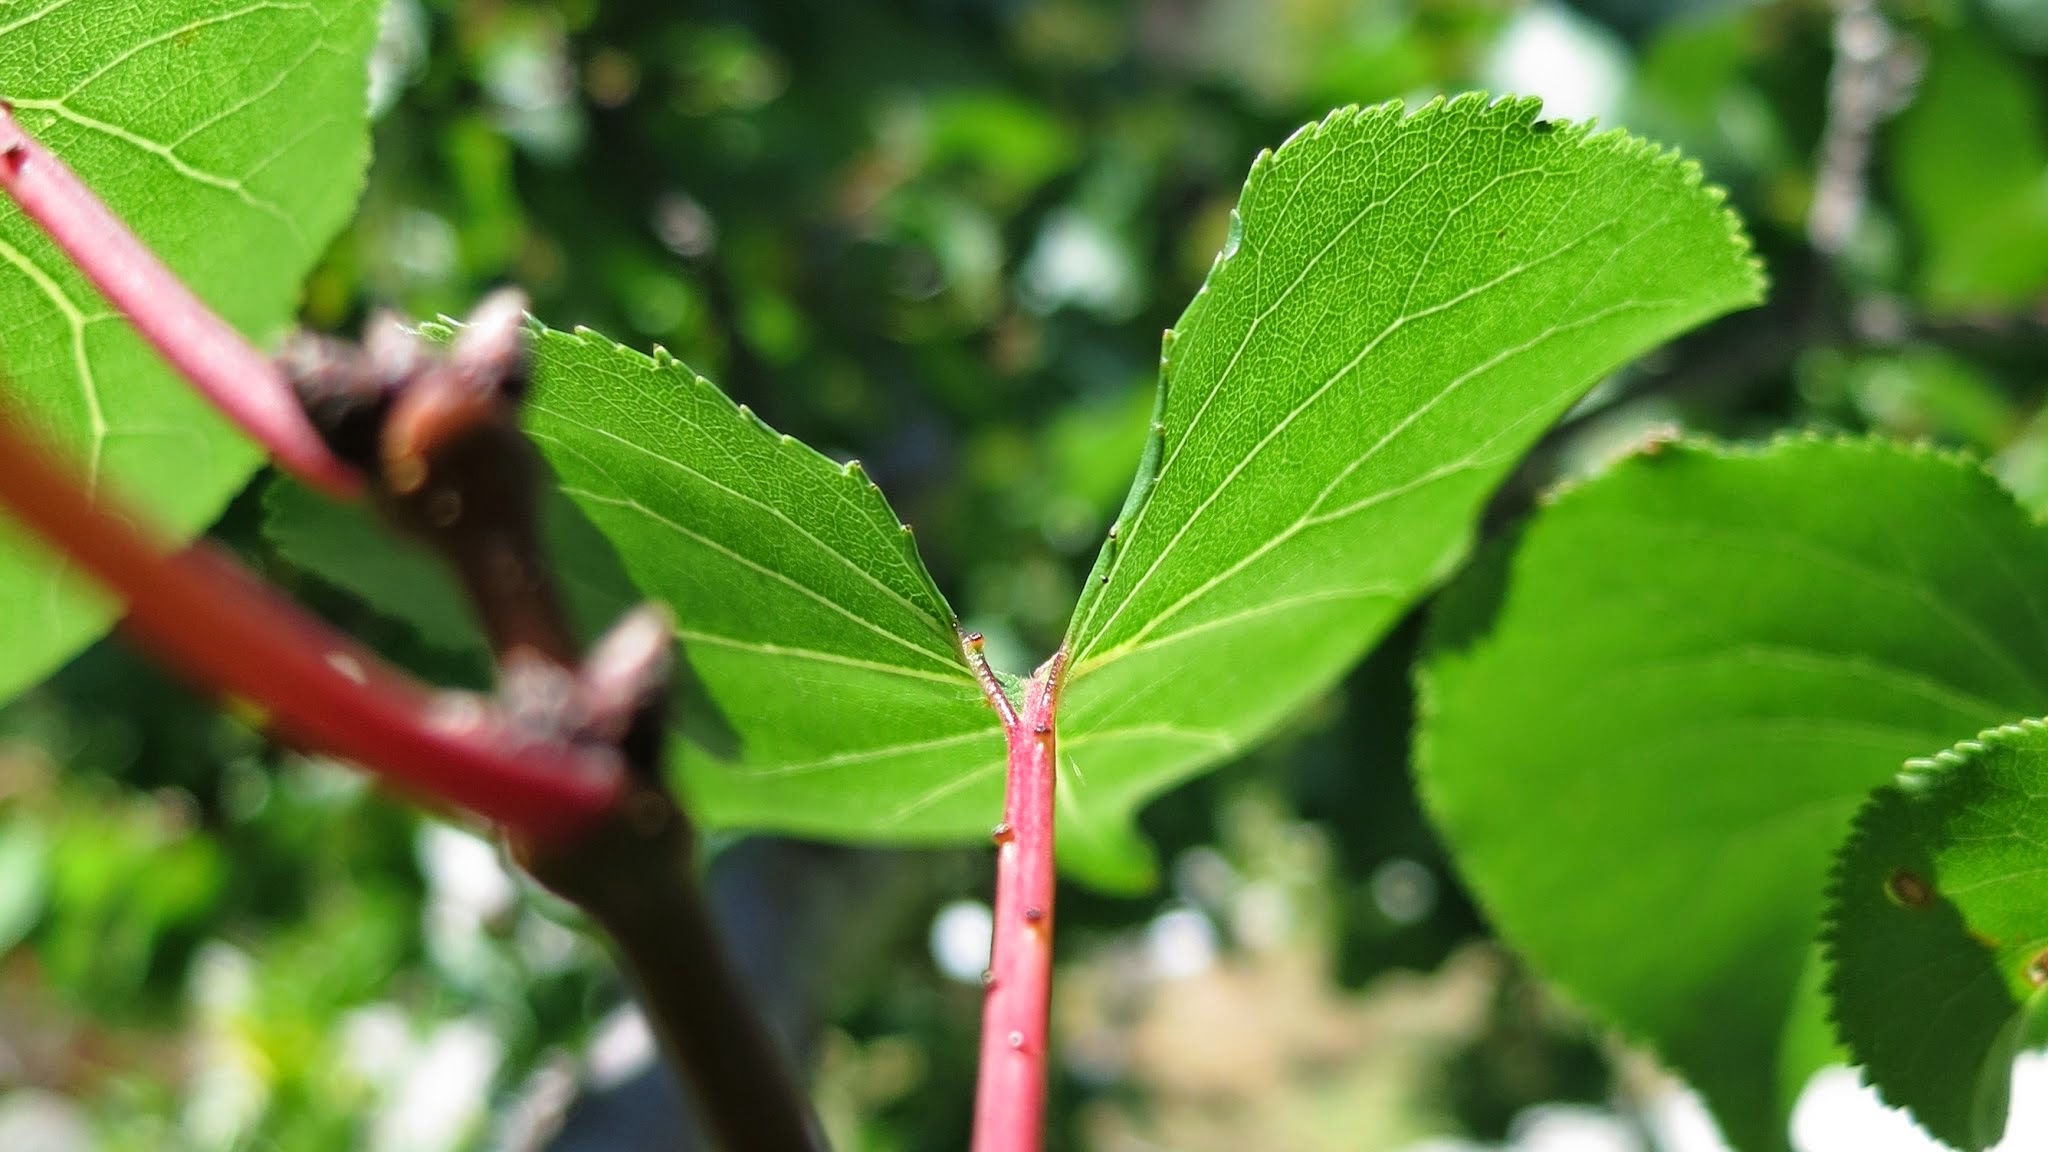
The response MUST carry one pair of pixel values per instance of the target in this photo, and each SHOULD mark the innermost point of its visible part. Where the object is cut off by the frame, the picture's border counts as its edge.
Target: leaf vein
(922, 613)
(689, 636)
(796, 585)
(177, 163)
(865, 755)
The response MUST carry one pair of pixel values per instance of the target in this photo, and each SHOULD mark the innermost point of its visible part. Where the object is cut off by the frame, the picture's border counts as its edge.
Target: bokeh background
(943, 236)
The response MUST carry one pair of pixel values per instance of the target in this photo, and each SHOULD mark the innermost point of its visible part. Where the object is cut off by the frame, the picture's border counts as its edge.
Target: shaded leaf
(24, 878)
(231, 137)
(344, 545)
(1937, 925)
(1969, 164)
(1644, 732)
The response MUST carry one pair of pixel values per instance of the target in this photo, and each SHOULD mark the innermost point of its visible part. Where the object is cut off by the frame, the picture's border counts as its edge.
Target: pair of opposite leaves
(1405, 304)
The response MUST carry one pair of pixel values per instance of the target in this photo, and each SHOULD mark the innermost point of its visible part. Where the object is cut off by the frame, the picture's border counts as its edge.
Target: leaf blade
(1937, 899)
(1321, 452)
(233, 139)
(799, 598)
(1645, 744)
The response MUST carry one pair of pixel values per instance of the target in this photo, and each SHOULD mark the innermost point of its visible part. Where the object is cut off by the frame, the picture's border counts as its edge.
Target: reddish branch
(1009, 1102)
(226, 369)
(568, 756)
(204, 615)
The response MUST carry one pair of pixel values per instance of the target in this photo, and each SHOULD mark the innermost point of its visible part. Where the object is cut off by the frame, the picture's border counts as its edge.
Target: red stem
(228, 370)
(1009, 1102)
(209, 618)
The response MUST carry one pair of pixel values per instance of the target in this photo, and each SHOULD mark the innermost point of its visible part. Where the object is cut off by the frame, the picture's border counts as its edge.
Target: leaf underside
(1406, 303)
(1936, 929)
(1645, 731)
(232, 137)
(798, 596)
(346, 546)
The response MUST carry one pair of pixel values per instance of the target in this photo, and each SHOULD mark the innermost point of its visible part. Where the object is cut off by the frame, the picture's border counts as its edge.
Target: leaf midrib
(632, 505)
(1323, 389)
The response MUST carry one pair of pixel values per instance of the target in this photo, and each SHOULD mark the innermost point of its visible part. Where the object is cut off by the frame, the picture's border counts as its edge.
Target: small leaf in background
(1645, 730)
(232, 138)
(1937, 932)
(24, 877)
(1010, 146)
(798, 596)
(344, 545)
(127, 887)
(2022, 464)
(1971, 170)
(1406, 303)
(1920, 391)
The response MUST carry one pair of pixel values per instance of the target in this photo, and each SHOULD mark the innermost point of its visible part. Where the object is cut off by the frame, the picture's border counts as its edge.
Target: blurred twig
(1875, 71)
(437, 433)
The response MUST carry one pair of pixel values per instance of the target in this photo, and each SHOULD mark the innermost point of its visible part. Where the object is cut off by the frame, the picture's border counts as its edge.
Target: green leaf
(344, 545)
(232, 137)
(1644, 732)
(1937, 925)
(24, 878)
(798, 596)
(1923, 391)
(1969, 164)
(1405, 304)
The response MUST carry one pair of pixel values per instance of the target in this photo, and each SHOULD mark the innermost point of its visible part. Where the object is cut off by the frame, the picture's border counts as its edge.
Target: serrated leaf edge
(1527, 109)
(1916, 780)
(1428, 701)
(862, 490)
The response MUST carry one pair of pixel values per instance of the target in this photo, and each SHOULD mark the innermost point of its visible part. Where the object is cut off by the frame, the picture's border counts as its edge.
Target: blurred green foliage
(943, 236)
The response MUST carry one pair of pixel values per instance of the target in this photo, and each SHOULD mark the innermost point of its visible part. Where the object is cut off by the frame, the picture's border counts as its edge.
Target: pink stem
(225, 367)
(1009, 1102)
(211, 620)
